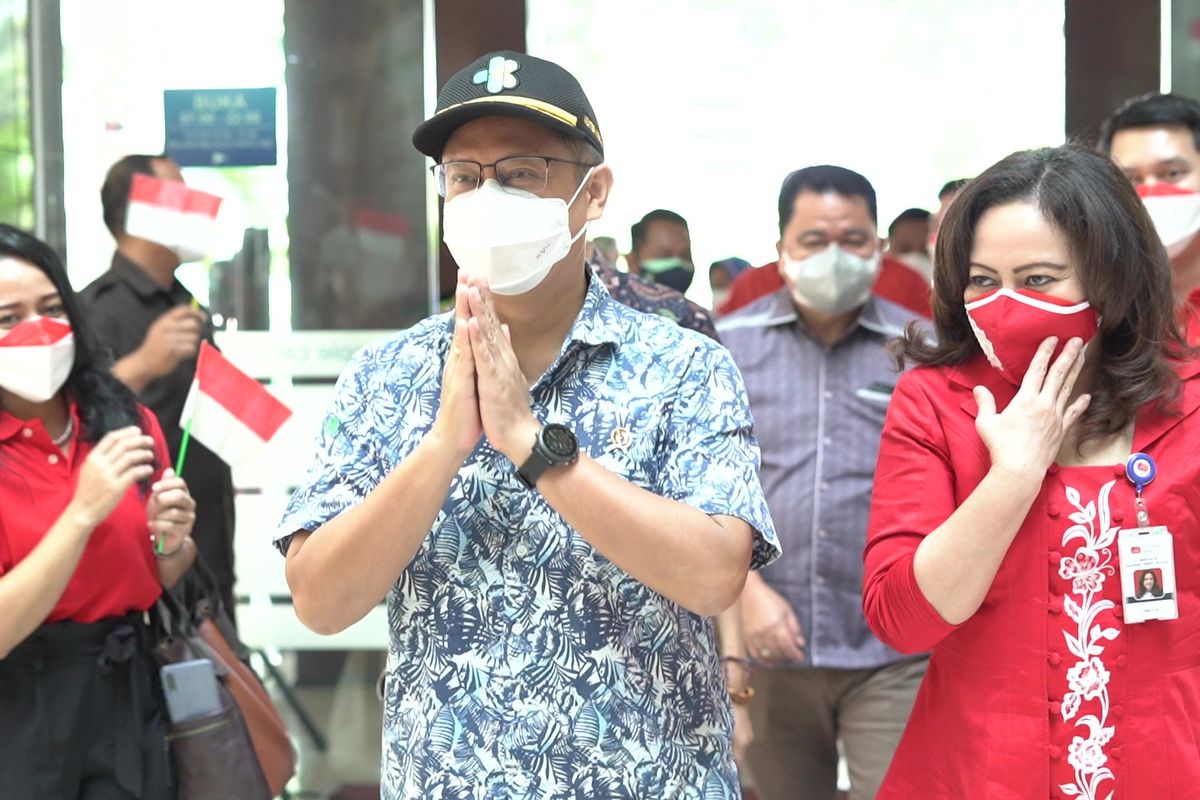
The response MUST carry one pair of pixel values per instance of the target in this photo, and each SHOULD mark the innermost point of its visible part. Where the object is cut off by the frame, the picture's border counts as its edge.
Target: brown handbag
(212, 755)
(253, 730)
(268, 734)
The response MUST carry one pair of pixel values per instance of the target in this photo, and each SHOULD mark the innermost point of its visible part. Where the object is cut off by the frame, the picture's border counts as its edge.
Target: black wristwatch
(555, 446)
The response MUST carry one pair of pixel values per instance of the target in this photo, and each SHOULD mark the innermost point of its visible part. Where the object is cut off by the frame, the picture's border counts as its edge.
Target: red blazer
(1044, 692)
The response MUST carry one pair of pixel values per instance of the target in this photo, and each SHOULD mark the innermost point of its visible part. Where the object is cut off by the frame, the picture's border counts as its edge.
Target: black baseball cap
(510, 84)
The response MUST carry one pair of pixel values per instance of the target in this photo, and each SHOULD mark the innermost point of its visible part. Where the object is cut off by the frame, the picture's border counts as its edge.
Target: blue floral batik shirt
(522, 662)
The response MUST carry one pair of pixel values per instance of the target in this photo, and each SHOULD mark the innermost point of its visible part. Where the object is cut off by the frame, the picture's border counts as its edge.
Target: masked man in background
(815, 361)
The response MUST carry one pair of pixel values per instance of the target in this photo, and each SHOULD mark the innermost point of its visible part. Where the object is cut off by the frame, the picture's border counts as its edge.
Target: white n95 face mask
(509, 237)
(832, 280)
(918, 261)
(1175, 213)
(36, 357)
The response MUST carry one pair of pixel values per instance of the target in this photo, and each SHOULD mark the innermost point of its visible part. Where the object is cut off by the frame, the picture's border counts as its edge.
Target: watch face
(559, 440)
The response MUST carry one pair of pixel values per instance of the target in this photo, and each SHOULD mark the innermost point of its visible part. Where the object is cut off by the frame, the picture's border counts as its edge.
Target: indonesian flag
(227, 410)
(170, 213)
(380, 233)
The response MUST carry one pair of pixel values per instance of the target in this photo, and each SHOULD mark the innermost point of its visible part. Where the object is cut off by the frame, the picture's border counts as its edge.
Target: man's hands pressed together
(483, 389)
(457, 424)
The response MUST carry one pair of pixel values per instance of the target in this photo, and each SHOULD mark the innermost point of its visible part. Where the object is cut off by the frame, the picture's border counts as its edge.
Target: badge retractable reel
(1147, 555)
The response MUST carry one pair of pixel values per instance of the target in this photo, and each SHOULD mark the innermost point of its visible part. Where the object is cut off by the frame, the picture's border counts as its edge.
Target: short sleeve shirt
(117, 573)
(819, 410)
(523, 662)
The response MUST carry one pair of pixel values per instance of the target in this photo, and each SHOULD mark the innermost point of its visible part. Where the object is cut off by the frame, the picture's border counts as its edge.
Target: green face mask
(673, 271)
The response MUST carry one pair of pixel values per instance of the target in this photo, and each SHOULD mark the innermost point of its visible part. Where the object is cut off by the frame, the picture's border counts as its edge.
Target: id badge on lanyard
(1147, 556)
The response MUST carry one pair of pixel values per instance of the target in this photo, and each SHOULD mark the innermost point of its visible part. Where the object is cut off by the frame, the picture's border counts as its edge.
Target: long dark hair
(1120, 262)
(104, 403)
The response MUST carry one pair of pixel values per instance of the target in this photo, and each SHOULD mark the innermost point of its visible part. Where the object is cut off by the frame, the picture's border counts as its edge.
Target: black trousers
(81, 715)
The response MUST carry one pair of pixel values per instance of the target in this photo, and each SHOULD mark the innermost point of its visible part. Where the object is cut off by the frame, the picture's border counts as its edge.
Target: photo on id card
(1147, 574)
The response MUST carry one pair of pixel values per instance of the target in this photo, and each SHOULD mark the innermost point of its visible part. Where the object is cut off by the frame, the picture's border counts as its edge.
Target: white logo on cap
(499, 75)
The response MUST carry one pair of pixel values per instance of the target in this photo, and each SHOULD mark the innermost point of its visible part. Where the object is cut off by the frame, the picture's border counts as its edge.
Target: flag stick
(183, 446)
(187, 429)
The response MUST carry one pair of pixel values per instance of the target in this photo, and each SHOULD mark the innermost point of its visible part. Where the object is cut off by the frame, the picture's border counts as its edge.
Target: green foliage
(16, 147)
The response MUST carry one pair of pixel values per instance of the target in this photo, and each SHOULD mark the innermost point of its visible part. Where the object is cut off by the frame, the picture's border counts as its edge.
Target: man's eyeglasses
(522, 173)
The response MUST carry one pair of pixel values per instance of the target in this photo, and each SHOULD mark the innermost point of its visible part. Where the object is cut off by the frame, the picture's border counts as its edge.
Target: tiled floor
(348, 714)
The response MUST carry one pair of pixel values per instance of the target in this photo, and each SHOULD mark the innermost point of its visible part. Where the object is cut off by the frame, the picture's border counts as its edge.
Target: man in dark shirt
(154, 327)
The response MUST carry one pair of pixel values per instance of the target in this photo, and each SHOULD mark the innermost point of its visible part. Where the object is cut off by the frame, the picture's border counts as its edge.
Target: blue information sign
(221, 127)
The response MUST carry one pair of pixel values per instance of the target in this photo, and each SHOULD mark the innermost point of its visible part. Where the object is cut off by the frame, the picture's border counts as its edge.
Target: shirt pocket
(876, 395)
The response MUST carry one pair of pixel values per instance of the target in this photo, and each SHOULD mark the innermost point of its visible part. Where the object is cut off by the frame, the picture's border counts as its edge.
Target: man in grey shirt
(819, 378)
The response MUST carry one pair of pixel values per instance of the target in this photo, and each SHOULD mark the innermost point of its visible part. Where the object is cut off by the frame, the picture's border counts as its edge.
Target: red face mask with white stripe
(1011, 326)
(36, 357)
(1175, 212)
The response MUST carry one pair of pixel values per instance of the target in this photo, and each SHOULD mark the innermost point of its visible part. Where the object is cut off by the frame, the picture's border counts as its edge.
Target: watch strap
(533, 468)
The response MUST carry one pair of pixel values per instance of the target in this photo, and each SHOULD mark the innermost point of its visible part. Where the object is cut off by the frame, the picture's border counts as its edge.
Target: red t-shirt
(897, 282)
(117, 573)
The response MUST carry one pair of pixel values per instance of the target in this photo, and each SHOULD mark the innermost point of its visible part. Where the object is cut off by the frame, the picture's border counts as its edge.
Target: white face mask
(832, 281)
(918, 261)
(511, 238)
(36, 358)
(719, 298)
(1176, 217)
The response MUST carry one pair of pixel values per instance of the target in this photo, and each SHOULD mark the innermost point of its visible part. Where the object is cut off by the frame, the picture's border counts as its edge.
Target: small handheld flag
(170, 213)
(187, 426)
(228, 411)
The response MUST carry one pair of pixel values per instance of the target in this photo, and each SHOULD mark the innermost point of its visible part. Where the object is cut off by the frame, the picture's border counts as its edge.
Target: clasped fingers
(174, 500)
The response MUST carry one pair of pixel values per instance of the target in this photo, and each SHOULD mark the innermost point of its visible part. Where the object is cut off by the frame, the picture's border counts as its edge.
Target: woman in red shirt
(84, 495)
(1001, 497)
